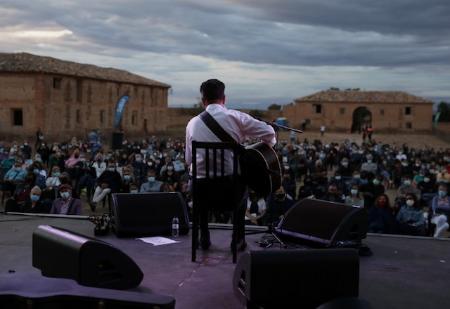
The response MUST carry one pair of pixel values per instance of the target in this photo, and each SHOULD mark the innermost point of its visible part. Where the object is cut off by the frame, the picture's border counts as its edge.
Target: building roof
(349, 96)
(29, 63)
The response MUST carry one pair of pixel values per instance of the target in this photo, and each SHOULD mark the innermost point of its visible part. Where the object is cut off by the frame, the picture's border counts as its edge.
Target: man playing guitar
(239, 126)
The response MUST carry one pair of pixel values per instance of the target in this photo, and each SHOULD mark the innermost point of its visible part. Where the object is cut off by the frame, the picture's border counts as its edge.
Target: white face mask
(410, 202)
(133, 191)
(65, 195)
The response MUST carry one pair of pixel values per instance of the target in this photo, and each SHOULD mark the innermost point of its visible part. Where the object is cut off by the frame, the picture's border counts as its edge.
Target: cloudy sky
(265, 51)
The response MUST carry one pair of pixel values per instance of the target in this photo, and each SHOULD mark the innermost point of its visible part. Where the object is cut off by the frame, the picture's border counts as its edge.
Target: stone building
(350, 110)
(67, 99)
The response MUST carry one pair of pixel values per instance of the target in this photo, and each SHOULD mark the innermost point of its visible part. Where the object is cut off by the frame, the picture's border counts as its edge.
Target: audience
(361, 175)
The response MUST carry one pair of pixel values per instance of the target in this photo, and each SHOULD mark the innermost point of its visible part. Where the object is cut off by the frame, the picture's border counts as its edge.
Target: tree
(256, 113)
(274, 107)
(444, 110)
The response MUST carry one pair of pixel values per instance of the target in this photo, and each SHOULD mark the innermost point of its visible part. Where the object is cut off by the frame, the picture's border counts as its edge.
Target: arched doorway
(361, 117)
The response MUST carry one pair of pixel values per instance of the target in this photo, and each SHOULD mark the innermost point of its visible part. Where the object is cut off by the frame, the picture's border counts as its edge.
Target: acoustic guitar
(259, 162)
(261, 168)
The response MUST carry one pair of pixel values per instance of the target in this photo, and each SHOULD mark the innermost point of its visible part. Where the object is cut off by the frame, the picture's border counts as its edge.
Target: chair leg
(194, 232)
(235, 236)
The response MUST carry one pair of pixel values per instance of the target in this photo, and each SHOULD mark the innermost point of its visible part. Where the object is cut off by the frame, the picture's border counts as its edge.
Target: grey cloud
(302, 32)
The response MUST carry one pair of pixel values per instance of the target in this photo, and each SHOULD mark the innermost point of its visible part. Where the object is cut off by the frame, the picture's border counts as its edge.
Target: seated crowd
(404, 190)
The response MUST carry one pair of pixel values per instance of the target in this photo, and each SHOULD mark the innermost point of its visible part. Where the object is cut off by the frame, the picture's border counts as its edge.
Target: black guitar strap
(215, 128)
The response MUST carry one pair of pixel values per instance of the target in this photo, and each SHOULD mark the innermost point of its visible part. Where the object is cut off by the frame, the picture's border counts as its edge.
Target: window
(382, 112)
(110, 95)
(317, 108)
(102, 117)
(134, 118)
(409, 125)
(407, 110)
(68, 93)
(89, 94)
(78, 116)
(17, 117)
(57, 82)
(79, 90)
(342, 110)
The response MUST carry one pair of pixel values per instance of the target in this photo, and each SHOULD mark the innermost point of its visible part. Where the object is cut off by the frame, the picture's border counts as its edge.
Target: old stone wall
(339, 116)
(64, 106)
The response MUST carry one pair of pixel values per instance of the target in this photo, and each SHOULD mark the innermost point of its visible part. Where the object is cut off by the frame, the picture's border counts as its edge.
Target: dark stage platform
(404, 272)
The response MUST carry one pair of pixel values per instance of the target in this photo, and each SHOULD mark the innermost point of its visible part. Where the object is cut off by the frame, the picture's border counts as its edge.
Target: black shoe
(240, 246)
(205, 241)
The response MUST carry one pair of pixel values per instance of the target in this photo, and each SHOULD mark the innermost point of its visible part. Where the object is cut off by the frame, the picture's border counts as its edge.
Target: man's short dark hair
(212, 90)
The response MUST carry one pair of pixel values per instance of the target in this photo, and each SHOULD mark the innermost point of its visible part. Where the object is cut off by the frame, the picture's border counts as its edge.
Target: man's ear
(204, 103)
(224, 99)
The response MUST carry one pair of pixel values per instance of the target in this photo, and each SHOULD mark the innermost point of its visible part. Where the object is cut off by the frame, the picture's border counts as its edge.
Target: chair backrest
(215, 155)
(213, 185)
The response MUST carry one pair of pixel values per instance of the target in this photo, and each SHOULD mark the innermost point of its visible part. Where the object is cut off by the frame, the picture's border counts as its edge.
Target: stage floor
(404, 272)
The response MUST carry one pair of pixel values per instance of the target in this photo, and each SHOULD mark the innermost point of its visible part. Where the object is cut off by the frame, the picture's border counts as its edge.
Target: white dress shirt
(239, 125)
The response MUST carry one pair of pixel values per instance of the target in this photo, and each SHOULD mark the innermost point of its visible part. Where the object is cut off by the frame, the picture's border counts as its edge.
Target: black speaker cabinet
(147, 214)
(117, 139)
(30, 290)
(324, 223)
(64, 254)
(296, 278)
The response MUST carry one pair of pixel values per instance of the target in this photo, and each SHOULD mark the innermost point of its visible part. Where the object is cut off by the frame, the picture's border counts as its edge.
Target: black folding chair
(214, 170)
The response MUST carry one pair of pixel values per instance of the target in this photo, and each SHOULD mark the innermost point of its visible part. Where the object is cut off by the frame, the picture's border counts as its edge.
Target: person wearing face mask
(307, 189)
(406, 168)
(39, 173)
(109, 181)
(66, 204)
(354, 198)
(440, 210)
(73, 159)
(139, 169)
(151, 185)
(127, 179)
(344, 169)
(333, 195)
(170, 178)
(35, 204)
(256, 209)
(26, 150)
(410, 218)
(99, 165)
(340, 183)
(369, 166)
(15, 176)
(407, 188)
(278, 204)
(134, 188)
(427, 188)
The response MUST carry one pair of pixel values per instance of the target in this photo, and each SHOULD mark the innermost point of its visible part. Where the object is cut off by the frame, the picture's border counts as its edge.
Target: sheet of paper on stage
(157, 240)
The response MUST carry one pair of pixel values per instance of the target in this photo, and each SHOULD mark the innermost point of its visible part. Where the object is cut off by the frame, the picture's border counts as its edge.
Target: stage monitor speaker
(148, 214)
(296, 278)
(324, 223)
(117, 139)
(64, 254)
(30, 290)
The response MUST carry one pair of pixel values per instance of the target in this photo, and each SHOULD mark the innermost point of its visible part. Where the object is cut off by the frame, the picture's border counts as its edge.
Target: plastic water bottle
(175, 227)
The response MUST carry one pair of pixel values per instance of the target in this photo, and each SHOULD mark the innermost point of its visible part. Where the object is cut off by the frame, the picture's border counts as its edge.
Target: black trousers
(220, 194)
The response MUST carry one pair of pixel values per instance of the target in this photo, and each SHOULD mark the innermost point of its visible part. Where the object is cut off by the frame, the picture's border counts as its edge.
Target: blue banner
(120, 107)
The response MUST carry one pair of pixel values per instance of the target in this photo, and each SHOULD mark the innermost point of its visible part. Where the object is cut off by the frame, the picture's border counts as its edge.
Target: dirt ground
(412, 140)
